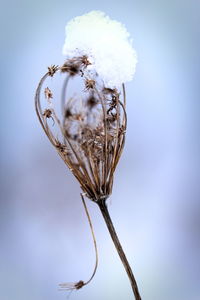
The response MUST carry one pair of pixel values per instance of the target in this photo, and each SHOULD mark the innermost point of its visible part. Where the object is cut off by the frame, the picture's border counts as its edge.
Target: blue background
(44, 235)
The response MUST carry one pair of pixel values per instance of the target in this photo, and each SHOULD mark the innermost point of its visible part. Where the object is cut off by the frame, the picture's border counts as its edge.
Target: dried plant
(89, 136)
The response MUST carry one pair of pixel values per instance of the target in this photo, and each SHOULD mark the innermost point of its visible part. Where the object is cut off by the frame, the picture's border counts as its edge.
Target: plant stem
(111, 229)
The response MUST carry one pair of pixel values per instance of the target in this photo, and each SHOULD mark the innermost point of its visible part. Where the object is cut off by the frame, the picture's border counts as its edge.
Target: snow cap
(107, 45)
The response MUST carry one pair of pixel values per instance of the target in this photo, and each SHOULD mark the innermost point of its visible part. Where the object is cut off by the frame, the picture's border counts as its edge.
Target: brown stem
(111, 229)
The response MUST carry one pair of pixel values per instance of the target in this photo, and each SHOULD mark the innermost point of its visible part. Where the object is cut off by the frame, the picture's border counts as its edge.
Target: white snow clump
(107, 45)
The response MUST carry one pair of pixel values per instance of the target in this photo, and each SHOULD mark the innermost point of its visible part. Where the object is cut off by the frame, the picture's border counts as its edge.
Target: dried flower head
(89, 84)
(48, 93)
(91, 130)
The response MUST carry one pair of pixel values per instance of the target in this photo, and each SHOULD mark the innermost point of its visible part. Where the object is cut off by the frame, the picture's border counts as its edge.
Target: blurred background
(44, 235)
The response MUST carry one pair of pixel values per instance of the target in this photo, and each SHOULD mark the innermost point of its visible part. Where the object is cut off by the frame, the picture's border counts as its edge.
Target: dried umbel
(88, 130)
(91, 129)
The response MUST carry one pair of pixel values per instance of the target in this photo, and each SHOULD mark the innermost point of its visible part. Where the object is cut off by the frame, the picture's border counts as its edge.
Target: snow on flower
(107, 45)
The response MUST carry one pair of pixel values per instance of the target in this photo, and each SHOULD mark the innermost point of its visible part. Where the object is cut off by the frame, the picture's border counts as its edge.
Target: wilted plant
(91, 130)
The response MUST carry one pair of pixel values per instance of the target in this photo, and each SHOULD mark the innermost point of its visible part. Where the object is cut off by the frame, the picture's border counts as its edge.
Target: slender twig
(111, 229)
(63, 97)
(94, 239)
(80, 284)
(103, 104)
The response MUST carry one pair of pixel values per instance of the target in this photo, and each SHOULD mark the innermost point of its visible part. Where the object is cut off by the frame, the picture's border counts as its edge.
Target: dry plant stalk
(89, 132)
(90, 139)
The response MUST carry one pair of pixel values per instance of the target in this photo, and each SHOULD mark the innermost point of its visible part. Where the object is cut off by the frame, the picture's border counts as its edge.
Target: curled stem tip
(78, 285)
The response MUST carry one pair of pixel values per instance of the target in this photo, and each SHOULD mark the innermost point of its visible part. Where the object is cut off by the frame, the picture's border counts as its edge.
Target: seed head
(90, 136)
(89, 84)
(48, 93)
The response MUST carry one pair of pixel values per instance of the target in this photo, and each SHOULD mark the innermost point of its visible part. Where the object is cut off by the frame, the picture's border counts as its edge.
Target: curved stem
(78, 285)
(94, 240)
(111, 229)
